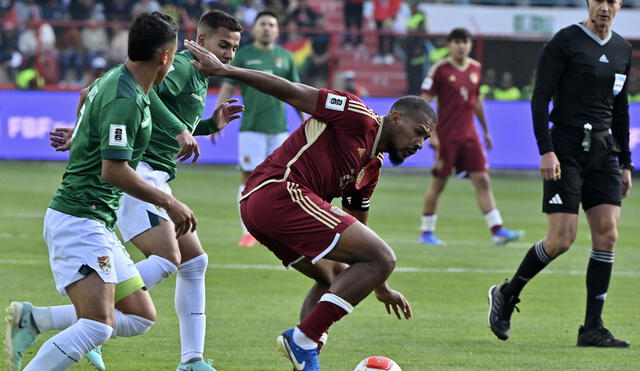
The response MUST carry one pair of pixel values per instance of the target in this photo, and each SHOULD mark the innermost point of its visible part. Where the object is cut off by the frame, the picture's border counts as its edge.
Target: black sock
(535, 261)
(598, 277)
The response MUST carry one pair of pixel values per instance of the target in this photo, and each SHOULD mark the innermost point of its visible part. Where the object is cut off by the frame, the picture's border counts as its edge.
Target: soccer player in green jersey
(176, 106)
(264, 122)
(87, 260)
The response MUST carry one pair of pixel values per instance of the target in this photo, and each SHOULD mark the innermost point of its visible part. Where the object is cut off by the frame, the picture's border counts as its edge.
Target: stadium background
(49, 49)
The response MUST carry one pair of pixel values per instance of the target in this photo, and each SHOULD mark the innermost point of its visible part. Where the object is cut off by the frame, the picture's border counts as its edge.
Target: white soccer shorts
(136, 216)
(254, 147)
(74, 242)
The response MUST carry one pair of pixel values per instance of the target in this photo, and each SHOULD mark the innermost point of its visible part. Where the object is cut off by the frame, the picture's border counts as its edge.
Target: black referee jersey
(587, 79)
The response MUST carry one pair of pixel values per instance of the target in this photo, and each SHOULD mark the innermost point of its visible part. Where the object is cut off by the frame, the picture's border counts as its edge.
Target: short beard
(394, 155)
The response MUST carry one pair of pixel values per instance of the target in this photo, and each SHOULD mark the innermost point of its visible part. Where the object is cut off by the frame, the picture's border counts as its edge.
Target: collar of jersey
(593, 36)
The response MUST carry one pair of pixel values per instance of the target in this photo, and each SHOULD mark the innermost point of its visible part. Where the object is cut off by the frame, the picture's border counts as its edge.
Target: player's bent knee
(138, 303)
(195, 268)
(128, 325)
(559, 245)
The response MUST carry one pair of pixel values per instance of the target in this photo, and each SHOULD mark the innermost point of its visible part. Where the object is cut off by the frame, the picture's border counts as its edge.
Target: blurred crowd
(560, 3)
(68, 43)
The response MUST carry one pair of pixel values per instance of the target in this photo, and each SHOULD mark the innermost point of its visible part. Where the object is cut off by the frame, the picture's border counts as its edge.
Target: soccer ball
(377, 363)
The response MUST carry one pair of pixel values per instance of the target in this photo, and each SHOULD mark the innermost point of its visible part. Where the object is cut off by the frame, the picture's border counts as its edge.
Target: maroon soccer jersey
(457, 91)
(333, 153)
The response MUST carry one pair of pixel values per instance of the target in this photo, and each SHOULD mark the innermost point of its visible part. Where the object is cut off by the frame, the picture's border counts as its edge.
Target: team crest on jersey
(452, 78)
(279, 62)
(336, 210)
(335, 102)
(361, 151)
(105, 264)
(474, 78)
(360, 176)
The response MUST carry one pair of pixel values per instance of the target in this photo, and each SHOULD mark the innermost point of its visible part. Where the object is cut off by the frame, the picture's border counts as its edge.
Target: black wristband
(357, 202)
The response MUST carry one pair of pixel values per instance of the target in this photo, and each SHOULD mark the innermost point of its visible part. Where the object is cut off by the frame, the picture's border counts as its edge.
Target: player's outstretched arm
(119, 174)
(300, 96)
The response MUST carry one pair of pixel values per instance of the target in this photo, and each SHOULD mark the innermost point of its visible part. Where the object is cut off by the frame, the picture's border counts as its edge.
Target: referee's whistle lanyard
(586, 139)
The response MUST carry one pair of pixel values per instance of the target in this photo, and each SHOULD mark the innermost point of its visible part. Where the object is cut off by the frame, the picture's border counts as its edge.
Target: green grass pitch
(250, 299)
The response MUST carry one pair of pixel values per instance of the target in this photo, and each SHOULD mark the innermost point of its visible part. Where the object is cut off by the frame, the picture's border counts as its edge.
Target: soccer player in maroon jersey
(455, 83)
(337, 152)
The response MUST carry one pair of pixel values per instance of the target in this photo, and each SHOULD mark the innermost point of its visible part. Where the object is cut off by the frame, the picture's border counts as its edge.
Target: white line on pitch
(398, 269)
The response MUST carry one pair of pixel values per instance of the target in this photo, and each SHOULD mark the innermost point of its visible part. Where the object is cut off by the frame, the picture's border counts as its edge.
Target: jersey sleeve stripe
(358, 105)
(366, 113)
(116, 155)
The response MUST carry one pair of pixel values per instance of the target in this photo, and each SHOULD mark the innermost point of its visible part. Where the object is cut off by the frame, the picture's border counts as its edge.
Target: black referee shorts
(592, 178)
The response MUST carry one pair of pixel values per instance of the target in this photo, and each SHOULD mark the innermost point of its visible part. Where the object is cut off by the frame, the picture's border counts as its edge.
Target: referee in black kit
(585, 158)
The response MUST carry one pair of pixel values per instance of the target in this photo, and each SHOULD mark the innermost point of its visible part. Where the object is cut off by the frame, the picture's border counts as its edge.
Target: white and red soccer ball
(377, 363)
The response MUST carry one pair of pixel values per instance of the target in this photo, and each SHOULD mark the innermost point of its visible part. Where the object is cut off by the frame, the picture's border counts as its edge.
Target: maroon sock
(496, 228)
(320, 319)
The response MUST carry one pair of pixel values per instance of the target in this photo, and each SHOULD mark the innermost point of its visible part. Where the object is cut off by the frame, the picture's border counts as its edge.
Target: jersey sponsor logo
(474, 78)
(197, 97)
(253, 61)
(427, 83)
(555, 200)
(603, 59)
(335, 102)
(118, 135)
(105, 264)
(618, 83)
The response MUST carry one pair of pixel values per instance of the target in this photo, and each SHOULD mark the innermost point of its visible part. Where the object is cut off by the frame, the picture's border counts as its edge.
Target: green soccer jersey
(176, 105)
(264, 113)
(114, 123)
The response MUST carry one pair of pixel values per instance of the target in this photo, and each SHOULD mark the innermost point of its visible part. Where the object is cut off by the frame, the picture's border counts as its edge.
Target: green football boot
(200, 365)
(94, 356)
(20, 335)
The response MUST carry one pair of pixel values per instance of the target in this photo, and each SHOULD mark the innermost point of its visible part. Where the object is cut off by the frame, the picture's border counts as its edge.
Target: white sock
(54, 318)
(67, 347)
(130, 325)
(240, 189)
(190, 306)
(493, 218)
(302, 340)
(63, 316)
(154, 269)
(429, 223)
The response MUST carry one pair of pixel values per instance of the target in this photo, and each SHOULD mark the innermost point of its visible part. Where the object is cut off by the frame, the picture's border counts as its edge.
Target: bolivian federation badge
(105, 264)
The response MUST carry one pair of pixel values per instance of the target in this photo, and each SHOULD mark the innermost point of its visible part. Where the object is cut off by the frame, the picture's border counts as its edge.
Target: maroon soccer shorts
(466, 155)
(293, 222)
